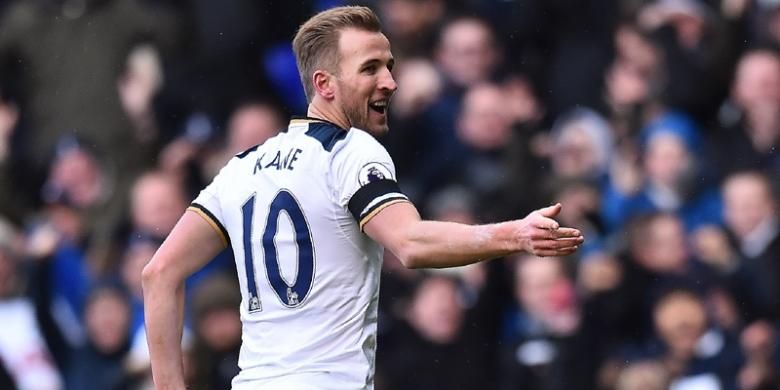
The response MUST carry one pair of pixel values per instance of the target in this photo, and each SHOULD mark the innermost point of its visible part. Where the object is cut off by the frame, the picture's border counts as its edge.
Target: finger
(556, 244)
(555, 252)
(551, 211)
(565, 232)
(572, 240)
(543, 234)
(546, 223)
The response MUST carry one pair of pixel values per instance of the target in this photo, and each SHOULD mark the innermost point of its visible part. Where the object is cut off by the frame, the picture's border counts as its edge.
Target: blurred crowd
(656, 123)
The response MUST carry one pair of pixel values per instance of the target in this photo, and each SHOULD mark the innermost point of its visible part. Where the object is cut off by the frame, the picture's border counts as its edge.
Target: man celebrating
(307, 215)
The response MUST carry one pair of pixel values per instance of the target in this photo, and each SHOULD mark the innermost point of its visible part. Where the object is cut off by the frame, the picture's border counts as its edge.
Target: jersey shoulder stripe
(212, 220)
(246, 152)
(326, 133)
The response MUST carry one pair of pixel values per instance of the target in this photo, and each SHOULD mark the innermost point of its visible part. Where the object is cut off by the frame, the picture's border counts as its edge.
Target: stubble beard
(358, 114)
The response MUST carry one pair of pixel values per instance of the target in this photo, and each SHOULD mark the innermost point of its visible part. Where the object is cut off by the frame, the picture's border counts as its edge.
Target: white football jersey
(293, 210)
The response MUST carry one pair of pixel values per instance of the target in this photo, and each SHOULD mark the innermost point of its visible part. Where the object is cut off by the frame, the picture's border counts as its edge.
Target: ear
(323, 84)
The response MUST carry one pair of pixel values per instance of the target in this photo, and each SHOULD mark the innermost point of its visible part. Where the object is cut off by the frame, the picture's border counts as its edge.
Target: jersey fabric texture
(293, 210)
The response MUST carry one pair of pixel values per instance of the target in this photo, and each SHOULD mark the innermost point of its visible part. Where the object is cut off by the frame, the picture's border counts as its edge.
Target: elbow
(149, 274)
(411, 262)
(409, 257)
(152, 275)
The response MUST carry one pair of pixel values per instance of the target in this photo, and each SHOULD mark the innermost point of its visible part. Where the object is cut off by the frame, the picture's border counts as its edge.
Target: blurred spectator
(410, 25)
(644, 375)
(195, 159)
(686, 350)
(80, 199)
(634, 81)
(484, 129)
(73, 54)
(99, 359)
(432, 342)
(75, 195)
(101, 362)
(157, 202)
(752, 215)
(467, 52)
(525, 156)
(138, 85)
(697, 53)
(24, 355)
(657, 260)
(695, 357)
(217, 329)
(483, 125)
(250, 124)
(543, 340)
(76, 178)
(522, 103)
(598, 273)
(582, 146)
(673, 179)
(419, 85)
(747, 252)
(759, 345)
(658, 245)
(750, 121)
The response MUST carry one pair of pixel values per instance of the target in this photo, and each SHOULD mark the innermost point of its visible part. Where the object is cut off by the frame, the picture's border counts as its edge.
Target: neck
(322, 110)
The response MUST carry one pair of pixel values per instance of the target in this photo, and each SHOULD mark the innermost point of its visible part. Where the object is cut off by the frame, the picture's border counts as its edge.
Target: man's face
(747, 203)
(467, 53)
(757, 80)
(364, 84)
(680, 321)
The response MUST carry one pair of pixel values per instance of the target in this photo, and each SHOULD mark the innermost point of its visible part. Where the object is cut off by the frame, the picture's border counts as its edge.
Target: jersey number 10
(290, 295)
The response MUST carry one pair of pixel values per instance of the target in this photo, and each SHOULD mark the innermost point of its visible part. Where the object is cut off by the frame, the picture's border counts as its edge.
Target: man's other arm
(191, 244)
(433, 244)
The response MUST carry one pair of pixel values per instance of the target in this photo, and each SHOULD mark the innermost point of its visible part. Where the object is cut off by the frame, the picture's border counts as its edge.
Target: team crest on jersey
(372, 172)
(292, 297)
(255, 305)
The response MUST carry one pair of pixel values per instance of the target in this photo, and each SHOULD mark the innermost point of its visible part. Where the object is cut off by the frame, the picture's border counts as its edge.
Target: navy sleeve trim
(215, 222)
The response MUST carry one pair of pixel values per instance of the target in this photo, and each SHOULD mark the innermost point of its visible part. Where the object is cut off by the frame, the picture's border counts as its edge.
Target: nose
(387, 82)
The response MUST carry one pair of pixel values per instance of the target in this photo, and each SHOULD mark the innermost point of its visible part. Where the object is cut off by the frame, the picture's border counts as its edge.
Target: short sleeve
(208, 205)
(365, 177)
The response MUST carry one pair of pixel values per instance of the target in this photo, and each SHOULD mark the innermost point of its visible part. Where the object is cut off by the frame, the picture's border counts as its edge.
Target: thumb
(551, 211)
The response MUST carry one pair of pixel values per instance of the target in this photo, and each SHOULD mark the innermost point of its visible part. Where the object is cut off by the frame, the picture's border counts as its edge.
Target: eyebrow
(374, 61)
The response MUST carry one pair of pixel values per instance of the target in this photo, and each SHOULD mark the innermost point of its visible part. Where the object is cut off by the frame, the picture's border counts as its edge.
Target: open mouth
(378, 106)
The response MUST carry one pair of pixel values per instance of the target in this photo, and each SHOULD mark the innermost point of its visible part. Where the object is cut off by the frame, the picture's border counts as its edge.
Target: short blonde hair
(317, 42)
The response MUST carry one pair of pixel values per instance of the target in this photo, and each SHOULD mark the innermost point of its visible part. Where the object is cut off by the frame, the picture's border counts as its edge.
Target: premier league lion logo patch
(372, 172)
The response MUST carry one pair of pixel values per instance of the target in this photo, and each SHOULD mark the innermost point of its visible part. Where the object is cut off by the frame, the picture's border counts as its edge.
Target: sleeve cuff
(212, 220)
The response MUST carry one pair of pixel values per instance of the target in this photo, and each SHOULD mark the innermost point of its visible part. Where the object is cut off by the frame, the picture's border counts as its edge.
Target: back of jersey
(292, 210)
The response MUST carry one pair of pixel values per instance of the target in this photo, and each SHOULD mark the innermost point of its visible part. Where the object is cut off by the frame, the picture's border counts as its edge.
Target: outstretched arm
(433, 244)
(191, 244)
